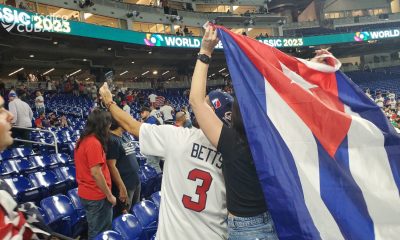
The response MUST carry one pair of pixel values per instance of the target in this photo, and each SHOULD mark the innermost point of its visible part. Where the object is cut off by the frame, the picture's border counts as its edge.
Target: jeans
(98, 215)
(260, 227)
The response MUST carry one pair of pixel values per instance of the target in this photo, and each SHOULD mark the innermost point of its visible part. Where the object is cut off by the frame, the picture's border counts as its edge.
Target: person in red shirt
(92, 174)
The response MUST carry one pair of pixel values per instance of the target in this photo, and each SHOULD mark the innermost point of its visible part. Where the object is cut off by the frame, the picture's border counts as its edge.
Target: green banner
(23, 21)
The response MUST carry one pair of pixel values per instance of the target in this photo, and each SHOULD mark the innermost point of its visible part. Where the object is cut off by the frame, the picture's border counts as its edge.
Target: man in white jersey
(167, 112)
(193, 203)
(157, 114)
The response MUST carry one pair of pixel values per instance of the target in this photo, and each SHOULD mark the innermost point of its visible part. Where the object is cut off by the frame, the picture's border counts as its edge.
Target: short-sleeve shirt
(193, 203)
(167, 112)
(41, 99)
(123, 152)
(89, 154)
(244, 194)
(152, 120)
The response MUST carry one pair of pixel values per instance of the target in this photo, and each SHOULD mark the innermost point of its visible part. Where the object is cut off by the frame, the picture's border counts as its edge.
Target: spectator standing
(23, 116)
(124, 169)
(92, 173)
(167, 112)
(379, 100)
(126, 107)
(39, 103)
(186, 31)
(94, 91)
(146, 117)
(152, 98)
(157, 114)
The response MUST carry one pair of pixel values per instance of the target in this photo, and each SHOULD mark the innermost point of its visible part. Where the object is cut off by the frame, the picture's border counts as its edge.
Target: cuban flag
(327, 157)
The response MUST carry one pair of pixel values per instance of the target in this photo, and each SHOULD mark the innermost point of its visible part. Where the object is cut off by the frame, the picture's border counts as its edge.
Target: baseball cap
(222, 104)
(12, 94)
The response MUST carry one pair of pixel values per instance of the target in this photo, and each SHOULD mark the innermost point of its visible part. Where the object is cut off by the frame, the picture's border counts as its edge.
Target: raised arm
(209, 123)
(125, 120)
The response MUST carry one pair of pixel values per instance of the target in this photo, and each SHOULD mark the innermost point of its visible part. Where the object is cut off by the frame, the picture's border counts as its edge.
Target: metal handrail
(40, 143)
(81, 109)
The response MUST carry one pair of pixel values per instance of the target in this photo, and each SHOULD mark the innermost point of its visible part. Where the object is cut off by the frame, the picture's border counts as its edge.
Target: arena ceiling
(67, 54)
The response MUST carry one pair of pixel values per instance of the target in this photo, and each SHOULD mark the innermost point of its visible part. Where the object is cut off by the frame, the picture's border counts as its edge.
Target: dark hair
(114, 124)
(98, 123)
(145, 109)
(237, 121)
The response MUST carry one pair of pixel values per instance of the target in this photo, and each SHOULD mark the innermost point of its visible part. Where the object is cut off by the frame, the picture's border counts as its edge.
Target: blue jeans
(260, 227)
(98, 215)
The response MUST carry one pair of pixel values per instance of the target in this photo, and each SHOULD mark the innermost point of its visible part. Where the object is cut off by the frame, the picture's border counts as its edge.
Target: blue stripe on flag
(351, 95)
(275, 164)
(342, 196)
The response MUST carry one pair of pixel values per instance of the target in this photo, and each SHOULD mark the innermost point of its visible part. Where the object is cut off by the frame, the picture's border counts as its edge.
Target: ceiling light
(222, 70)
(171, 78)
(165, 73)
(49, 71)
(133, 62)
(85, 60)
(31, 56)
(136, 77)
(109, 49)
(155, 72)
(19, 70)
(55, 42)
(87, 79)
(145, 73)
(123, 73)
(150, 52)
(72, 74)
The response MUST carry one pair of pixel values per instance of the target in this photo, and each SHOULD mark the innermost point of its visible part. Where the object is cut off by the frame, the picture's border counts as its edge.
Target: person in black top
(124, 170)
(248, 214)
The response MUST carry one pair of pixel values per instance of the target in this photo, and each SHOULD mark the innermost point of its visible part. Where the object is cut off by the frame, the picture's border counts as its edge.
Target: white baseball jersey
(157, 114)
(193, 201)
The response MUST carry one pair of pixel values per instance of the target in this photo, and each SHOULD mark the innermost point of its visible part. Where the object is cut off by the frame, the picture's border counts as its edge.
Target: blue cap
(12, 94)
(222, 104)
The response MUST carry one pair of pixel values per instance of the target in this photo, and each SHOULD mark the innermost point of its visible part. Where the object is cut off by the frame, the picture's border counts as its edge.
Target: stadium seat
(68, 174)
(23, 165)
(17, 153)
(128, 226)
(43, 214)
(62, 158)
(147, 214)
(156, 198)
(23, 190)
(46, 161)
(73, 195)
(153, 237)
(109, 235)
(62, 216)
(149, 180)
(49, 181)
(7, 169)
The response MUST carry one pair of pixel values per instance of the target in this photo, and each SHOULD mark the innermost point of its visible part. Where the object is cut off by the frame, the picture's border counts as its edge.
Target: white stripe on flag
(369, 165)
(297, 79)
(301, 143)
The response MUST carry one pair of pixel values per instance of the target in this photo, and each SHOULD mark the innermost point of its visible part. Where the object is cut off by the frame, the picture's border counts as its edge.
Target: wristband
(108, 105)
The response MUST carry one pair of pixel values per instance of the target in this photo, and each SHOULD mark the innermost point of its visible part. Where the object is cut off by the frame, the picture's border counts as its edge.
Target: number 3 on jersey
(201, 190)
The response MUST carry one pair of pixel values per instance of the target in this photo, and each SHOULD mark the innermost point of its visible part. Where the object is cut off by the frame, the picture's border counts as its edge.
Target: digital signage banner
(13, 19)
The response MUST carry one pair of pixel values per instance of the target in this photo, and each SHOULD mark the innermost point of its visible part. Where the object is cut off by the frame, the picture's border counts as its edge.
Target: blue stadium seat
(68, 174)
(44, 215)
(128, 226)
(23, 165)
(49, 181)
(7, 169)
(147, 214)
(46, 161)
(23, 190)
(156, 198)
(149, 180)
(62, 158)
(153, 237)
(73, 195)
(62, 216)
(109, 235)
(17, 153)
